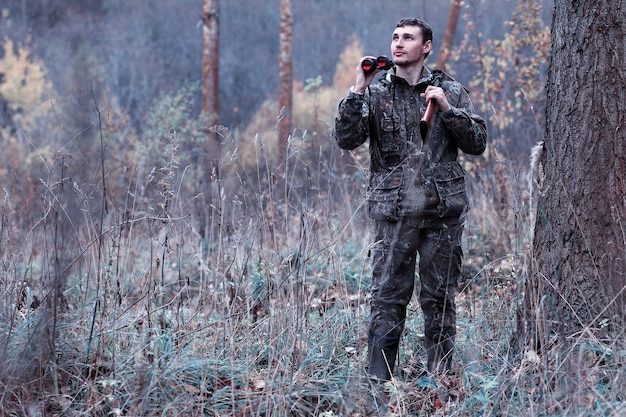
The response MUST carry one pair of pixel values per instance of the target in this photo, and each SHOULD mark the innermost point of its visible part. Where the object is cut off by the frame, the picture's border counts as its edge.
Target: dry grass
(131, 286)
(135, 313)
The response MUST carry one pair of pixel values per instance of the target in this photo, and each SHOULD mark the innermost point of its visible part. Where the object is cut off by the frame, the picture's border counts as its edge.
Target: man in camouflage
(416, 196)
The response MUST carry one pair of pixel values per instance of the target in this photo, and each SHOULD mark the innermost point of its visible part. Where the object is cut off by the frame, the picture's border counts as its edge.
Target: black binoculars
(382, 62)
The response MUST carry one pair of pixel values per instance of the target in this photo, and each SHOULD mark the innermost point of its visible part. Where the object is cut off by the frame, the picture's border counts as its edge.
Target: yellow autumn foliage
(24, 85)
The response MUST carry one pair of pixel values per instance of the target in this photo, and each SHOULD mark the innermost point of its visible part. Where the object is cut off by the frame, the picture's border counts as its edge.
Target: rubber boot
(381, 362)
(439, 354)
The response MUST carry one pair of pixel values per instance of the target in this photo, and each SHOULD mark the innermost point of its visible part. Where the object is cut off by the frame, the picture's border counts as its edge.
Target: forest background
(133, 283)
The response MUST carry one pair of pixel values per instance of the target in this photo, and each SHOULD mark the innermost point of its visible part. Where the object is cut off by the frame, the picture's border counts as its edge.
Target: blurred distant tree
(448, 36)
(576, 290)
(285, 98)
(210, 76)
(210, 56)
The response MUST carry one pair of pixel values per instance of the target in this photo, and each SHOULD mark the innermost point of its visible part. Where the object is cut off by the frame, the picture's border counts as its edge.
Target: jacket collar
(426, 77)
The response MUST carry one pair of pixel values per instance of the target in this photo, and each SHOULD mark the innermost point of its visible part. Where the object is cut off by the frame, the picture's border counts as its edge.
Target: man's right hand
(364, 79)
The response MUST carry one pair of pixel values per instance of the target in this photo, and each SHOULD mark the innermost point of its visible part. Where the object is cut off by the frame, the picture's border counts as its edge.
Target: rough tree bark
(448, 36)
(577, 281)
(286, 78)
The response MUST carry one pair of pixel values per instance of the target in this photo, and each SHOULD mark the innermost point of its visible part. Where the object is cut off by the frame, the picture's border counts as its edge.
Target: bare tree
(286, 77)
(577, 282)
(209, 207)
(448, 36)
(210, 71)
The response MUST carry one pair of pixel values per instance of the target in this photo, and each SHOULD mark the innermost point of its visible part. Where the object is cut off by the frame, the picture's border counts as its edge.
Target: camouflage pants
(394, 257)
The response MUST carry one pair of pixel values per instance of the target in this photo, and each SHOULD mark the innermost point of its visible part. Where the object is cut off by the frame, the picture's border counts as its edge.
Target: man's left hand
(437, 94)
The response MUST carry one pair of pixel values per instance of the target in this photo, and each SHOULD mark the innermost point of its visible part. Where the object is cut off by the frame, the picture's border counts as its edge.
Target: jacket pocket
(383, 196)
(391, 141)
(449, 181)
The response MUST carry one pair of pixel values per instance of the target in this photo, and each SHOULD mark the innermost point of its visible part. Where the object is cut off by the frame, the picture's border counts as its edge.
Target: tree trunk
(210, 72)
(286, 79)
(577, 275)
(209, 207)
(448, 36)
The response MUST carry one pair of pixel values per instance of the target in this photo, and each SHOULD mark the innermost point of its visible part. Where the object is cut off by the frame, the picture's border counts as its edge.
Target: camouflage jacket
(411, 177)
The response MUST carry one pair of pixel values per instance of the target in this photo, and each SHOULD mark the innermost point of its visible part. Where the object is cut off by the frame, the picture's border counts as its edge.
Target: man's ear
(427, 47)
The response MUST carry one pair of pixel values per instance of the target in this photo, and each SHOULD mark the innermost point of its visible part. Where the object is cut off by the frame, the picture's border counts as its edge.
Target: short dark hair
(427, 31)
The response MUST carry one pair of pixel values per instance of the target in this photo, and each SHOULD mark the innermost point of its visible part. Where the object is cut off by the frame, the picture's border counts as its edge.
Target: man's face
(407, 46)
